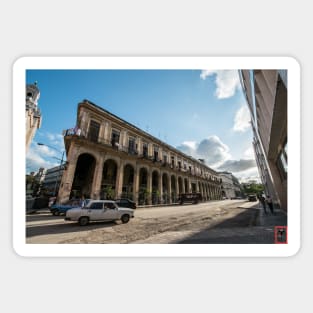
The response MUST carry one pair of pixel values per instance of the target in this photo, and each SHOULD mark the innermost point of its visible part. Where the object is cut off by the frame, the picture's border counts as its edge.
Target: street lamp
(60, 167)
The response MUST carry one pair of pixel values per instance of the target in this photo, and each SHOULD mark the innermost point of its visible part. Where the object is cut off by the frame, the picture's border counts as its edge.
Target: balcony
(115, 146)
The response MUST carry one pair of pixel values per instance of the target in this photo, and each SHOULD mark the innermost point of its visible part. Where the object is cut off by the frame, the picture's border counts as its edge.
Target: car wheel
(56, 213)
(83, 221)
(125, 218)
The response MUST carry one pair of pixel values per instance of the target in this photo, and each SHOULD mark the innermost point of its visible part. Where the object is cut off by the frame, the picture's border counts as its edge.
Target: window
(145, 149)
(93, 132)
(155, 153)
(109, 206)
(131, 145)
(172, 161)
(96, 206)
(165, 158)
(115, 138)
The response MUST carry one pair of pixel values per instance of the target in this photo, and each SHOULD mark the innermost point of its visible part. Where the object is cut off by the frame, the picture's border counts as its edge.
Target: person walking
(270, 203)
(262, 200)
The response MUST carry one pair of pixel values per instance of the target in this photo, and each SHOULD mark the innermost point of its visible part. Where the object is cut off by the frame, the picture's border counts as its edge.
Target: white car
(99, 210)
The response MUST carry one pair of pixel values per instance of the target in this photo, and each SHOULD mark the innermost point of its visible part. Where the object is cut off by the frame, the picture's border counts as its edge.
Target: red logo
(281, 234)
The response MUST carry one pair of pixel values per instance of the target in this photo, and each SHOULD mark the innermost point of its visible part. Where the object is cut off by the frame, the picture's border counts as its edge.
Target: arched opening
(200, 188)
(128, 182)
(204, 192)
(144, 193)
(109, 174)
(155, 188)
(193, 187)
(83, 177)
(173, 189)
(180, 185)
(165, 187)
(186, 185)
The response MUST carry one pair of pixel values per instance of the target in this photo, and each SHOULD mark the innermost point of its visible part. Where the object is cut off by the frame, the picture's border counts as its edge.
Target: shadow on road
(37, 230)
(43, 217)
(237, 230)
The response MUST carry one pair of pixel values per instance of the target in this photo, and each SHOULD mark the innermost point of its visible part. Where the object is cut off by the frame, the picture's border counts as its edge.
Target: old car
(57, 209)
(190, 198)
(34, 204)
(252, 197)
(126, 203)
(99, 210)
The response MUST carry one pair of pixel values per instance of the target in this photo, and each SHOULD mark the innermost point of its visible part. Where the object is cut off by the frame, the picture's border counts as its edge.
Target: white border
(156, 250)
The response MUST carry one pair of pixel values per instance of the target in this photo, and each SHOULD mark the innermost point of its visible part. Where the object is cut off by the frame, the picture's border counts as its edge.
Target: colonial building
(110, 158)
(230, 185)
(32, 114)
(266, 94)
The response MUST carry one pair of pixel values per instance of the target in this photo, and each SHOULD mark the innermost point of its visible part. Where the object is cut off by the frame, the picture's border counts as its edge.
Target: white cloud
(36, 158)
(55, 140)
(249, 153)
(242, 120)
(227, 82)
(190, 144)
(211, 149)
(47, 155)
(217, 156)
(237, 166)
(249, 175)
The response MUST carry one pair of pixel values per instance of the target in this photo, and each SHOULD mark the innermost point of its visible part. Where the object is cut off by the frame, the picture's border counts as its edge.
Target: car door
(111, 212)
(95, 211)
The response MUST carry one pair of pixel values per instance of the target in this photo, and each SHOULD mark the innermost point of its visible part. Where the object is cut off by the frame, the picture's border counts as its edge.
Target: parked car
(190, 197)
(57, 209)
(252, 198)
(35, 204)
(99, 210)
(126, 203)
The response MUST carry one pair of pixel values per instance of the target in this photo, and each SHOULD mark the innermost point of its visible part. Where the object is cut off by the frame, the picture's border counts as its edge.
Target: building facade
(34, 182)
(51, 183)
(32, 114)
(266, 95)
(230, 185)
(110, 158)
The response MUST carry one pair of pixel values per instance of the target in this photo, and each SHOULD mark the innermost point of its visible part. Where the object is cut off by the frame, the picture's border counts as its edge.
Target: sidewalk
(278, 219)
(260, 231)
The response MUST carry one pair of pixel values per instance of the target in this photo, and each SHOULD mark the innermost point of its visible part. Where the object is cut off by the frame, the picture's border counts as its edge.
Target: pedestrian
(262, 200)
(269, 202)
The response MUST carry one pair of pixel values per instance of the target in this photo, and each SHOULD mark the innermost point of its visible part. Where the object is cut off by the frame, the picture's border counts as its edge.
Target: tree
(253, 187)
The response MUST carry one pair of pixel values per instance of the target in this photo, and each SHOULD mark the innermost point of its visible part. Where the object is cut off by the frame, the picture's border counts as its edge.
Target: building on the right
(266, 95)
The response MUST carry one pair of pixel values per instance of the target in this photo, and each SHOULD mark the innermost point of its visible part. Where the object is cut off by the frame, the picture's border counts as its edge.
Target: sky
(200, 112)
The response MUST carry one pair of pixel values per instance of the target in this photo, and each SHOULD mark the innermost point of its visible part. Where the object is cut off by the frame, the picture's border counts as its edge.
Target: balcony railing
(133, 152)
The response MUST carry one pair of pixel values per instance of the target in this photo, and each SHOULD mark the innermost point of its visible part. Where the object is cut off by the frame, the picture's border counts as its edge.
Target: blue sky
(203, 113)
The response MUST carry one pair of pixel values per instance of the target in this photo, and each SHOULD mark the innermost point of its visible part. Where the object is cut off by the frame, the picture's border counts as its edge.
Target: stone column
(136, 184)
(119, 179)
(149, 186)
(161, 187)
(68, 175)
(169, 187)
(102, 131)
(106, 135)
(177, 188)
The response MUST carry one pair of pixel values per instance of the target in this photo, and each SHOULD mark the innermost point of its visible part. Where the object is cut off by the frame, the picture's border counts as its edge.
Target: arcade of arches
(101, 175)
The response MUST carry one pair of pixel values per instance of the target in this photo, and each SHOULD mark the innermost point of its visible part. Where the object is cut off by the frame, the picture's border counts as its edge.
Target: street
(227, 221)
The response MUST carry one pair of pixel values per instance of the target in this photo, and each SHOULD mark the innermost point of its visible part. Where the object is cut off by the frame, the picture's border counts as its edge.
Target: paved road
(170, 224)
